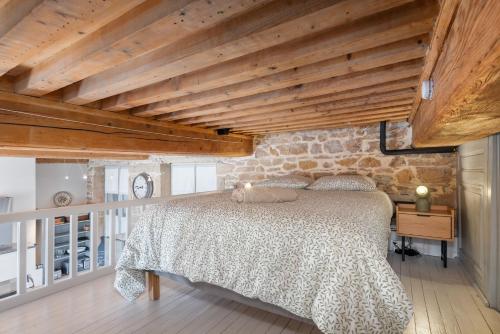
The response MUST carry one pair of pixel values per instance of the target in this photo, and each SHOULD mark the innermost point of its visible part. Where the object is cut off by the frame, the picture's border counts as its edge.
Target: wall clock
(62, 198)
(142, 186)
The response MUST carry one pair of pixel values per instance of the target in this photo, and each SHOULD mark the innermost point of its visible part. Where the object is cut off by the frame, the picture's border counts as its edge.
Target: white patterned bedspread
(321, 257)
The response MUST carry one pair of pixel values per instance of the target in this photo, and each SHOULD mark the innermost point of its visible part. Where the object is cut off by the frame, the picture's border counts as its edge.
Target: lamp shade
(422, 191)
(423, 203)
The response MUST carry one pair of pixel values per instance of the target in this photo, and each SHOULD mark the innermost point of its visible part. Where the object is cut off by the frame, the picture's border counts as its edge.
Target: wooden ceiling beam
(325, 109)
(267, 26)
(67, 156)
(326, 117)
(401, 23)
(35, 30)
(147, 27)
(367, 94)
(413, 48)
(442, 26)
(328, 125)
(328, 86)
(466, 103)
(38, 123)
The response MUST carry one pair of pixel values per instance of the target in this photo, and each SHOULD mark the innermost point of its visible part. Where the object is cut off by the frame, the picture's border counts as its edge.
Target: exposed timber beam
(344, 99)
(328, 118)
(313, 111)
(442, 26)
(38, 123)
(333, 85)
(381, 56)
(267, 27)
(326, 125)
(466, 103)
(147, 27)
(35, 30)
(66, 155)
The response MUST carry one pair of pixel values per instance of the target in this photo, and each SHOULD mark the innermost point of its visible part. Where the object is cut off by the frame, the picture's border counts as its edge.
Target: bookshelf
(62, 245)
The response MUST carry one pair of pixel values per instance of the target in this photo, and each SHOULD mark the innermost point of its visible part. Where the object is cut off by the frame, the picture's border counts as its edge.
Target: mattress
(321, 257)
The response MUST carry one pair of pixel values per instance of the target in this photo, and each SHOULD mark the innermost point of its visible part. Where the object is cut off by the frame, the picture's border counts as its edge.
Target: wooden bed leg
(153, 286)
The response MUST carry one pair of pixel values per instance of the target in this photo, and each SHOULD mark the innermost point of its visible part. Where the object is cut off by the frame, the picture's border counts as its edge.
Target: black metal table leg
(444, 252)
(402, 248)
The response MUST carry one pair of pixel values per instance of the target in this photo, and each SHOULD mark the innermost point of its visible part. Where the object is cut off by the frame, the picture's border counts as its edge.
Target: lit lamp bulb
(423, 203)
(248, 186)
(66, 177)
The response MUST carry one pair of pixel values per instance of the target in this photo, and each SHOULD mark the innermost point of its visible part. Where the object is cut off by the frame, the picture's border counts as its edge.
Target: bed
(321, 257)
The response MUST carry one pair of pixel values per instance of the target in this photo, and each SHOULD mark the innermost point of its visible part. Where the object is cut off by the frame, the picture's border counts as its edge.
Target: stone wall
(346, 151)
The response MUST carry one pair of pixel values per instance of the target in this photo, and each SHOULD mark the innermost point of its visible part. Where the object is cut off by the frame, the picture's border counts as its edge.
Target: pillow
(288, 181)
(264, 195)
(344, 182)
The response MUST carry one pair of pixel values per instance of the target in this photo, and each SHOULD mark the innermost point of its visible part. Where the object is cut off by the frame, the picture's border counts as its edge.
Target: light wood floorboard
(445, 302)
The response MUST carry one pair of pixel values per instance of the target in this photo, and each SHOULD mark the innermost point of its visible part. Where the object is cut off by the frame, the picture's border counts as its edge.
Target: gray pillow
(344, 182)
(287, 181)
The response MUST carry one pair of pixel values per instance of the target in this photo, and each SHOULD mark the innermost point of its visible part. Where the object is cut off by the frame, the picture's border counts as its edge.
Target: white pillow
(287, 181)
(344, 182)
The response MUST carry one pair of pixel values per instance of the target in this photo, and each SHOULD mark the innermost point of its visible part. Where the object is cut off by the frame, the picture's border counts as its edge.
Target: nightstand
(437, 224)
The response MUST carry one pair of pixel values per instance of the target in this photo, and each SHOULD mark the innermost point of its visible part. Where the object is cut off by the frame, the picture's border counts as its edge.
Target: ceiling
(254, 66)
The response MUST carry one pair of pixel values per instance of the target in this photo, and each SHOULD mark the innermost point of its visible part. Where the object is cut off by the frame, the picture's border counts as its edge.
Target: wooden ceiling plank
(66, 156)
(147, 27)
(49, 26)
(384, 55)
(328, 86)
(326, 109)
(358, 103)
(37, 119)
(367, 92)
(401, 23)
(325, 117)
(321, 117)
(466, 104)
(326, 125)
(255, 31)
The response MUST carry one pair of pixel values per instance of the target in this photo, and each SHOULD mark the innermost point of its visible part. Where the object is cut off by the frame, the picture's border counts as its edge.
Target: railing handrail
(86, 208)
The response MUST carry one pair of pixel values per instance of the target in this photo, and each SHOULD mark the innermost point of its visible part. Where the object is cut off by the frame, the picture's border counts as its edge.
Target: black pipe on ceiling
(425, 150)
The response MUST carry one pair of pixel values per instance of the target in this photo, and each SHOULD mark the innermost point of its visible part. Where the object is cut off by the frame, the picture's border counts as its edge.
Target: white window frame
(196, 165)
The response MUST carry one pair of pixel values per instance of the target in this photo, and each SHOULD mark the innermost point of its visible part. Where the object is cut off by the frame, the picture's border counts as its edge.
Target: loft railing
(102, 226)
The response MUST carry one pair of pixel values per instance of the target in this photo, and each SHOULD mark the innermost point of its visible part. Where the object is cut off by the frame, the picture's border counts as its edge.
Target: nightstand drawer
(436, 227)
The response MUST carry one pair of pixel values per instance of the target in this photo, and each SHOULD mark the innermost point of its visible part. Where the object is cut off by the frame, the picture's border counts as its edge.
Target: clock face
(142, 186)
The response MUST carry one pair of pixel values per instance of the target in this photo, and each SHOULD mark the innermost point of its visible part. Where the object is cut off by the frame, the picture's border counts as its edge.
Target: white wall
(17, 180)
(50, 178)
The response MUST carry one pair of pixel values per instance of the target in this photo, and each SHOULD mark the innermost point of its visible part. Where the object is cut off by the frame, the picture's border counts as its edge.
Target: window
(193, 178)
(115, 189)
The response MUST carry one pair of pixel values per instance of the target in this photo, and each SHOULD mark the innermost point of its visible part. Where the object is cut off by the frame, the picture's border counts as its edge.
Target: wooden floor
(445, 302)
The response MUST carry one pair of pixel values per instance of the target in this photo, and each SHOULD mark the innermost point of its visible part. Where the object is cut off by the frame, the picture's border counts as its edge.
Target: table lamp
(423, 203)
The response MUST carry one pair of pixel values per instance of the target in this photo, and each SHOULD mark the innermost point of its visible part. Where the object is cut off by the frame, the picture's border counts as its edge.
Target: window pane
(206, 178)
(183, 181)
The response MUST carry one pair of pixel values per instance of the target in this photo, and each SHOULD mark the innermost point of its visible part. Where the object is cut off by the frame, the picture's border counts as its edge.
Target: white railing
(101, 215)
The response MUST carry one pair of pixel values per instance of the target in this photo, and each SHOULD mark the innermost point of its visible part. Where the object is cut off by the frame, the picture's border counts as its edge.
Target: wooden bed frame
(153, 278)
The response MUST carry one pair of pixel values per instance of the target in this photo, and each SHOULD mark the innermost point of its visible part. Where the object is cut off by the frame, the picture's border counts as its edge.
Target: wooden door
(477, 207)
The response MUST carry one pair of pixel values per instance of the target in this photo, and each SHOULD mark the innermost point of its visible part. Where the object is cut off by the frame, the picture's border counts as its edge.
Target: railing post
(94, 240)
(129, 220)
(49, 251)
(73, 262)
(112, 239)
(21, 258)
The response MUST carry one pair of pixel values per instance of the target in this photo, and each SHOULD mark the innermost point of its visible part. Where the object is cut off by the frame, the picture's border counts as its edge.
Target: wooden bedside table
(437, 224)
